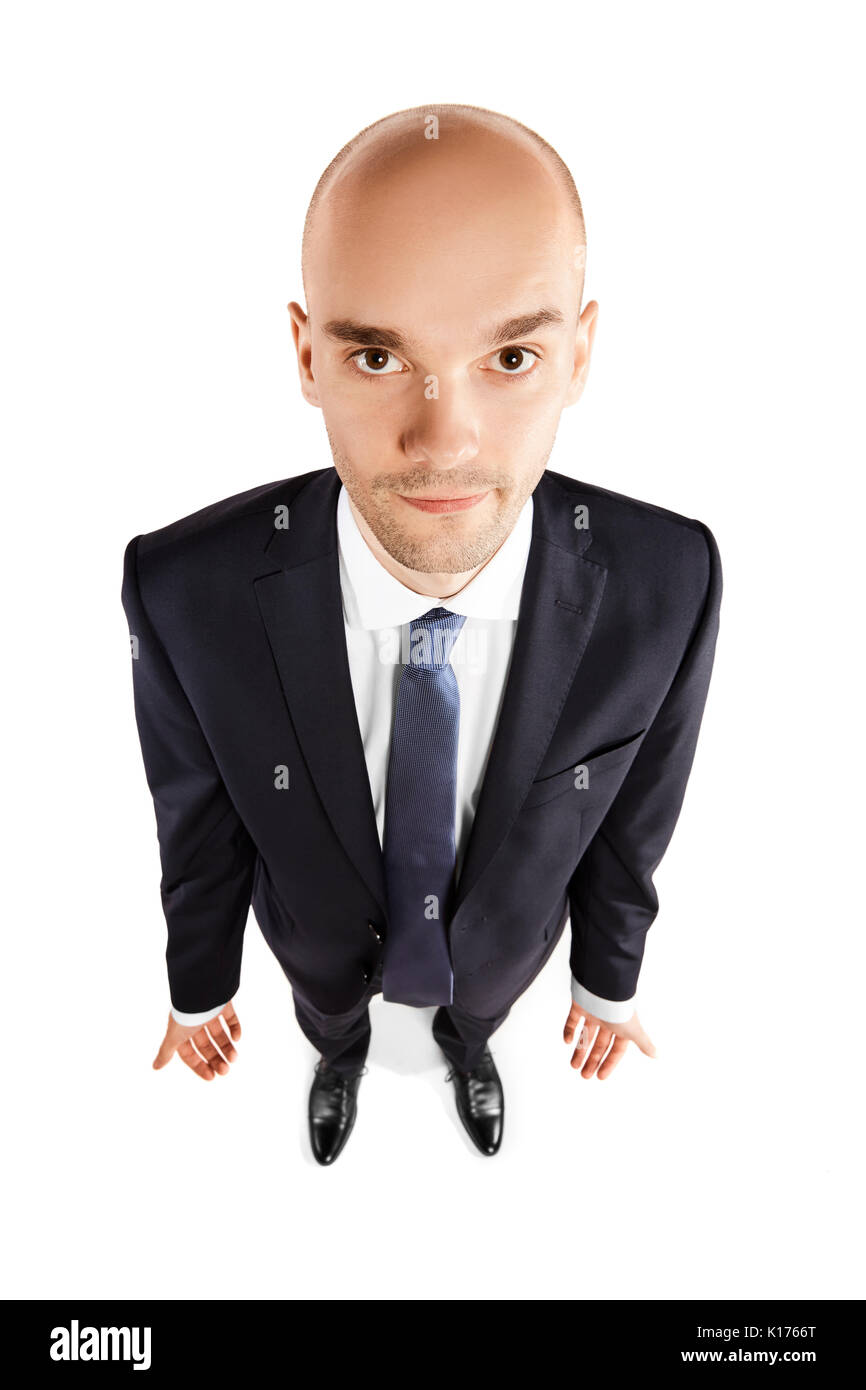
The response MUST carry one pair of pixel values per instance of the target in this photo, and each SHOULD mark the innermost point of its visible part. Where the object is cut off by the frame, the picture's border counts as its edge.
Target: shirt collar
(373, 598)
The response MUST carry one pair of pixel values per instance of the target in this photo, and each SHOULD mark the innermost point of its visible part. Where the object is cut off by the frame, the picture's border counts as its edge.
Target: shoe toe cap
(327, 1140)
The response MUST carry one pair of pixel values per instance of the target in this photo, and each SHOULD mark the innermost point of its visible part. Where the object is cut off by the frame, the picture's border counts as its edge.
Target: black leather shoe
(333, 1107)
(480, 1103)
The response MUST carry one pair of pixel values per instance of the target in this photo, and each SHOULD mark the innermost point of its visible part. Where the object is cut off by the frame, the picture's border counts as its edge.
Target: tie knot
(432, 637)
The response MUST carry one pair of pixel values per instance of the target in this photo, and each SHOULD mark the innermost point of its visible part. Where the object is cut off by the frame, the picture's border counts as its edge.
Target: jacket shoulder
(618, 506)
(657, 550)
(202, 551)
(187, 532)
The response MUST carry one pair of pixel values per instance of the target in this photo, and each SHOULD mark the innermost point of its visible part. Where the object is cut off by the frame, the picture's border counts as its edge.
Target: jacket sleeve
(206, 853)
(612, 898)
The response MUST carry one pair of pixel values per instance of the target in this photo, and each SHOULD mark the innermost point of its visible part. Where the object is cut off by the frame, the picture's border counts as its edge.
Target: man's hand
(621, 1033)
(210, 1038)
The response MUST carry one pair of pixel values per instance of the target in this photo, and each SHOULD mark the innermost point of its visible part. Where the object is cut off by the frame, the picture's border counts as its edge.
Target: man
(423, 707)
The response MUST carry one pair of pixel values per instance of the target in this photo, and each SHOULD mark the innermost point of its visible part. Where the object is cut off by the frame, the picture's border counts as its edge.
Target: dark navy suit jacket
(240, 668)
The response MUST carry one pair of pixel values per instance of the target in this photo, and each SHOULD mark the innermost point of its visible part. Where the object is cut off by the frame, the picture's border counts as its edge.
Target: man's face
(440, 406)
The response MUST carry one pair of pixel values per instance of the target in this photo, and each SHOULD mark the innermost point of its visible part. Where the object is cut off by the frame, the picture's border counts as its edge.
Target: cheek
(358, 417)
(523, 426)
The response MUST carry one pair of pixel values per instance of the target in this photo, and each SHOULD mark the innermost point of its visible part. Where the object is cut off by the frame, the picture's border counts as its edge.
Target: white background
(157, 163)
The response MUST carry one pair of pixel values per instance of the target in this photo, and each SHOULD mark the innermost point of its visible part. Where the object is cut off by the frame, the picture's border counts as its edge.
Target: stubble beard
(445, 551)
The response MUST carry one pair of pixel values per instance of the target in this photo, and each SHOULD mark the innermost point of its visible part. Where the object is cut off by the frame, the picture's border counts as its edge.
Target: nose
(444, 432)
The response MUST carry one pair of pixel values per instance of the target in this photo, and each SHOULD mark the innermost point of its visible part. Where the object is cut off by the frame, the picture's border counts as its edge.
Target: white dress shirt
(377, 611)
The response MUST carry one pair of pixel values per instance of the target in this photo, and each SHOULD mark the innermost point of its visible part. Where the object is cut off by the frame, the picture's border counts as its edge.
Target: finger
(203, 1043)
(574, 1017)
(222, 1040)
(166, 1051)
(640, 1037)
(188, 1054)
(613, 1057)
(600, 1046)
(231, 1018)
(584, 1041)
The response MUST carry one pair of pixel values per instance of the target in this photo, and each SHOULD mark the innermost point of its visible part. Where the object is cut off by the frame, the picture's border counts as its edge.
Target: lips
(445, 504)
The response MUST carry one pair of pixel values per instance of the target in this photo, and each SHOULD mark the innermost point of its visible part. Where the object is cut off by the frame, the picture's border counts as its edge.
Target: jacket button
(375, 930)
(366, 977)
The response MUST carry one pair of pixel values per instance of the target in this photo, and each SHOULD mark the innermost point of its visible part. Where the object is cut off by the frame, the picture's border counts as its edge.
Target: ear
(582, 352)
(304, 349)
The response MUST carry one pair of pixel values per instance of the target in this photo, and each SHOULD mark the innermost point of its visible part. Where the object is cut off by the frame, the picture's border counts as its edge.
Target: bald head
(443, 267)
(427, 153)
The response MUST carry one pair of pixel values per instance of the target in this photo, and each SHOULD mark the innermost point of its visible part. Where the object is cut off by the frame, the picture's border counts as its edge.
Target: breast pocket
(586, 777)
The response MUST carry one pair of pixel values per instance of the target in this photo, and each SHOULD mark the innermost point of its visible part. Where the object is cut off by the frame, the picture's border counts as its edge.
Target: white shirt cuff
(190, 1019)
(608, 1010)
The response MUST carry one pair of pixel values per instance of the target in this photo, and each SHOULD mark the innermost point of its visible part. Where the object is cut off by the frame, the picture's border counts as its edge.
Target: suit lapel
(562, 594)
(301, 607)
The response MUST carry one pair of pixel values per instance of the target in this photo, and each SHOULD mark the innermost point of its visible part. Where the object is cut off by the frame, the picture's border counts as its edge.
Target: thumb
(166, 1052)
(645, 1044)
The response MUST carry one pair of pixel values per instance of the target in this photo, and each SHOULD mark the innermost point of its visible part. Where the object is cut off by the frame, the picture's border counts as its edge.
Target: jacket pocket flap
(583, 776)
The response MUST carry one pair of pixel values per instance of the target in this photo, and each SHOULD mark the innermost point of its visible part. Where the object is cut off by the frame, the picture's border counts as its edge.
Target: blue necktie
(418, 842)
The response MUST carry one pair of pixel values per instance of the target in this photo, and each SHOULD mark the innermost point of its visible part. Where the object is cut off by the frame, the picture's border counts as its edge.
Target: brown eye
(375, 362)
(511, 357)
(514, 361)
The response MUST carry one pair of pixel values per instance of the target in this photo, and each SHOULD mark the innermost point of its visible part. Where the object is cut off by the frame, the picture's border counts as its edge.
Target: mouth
(444, 504)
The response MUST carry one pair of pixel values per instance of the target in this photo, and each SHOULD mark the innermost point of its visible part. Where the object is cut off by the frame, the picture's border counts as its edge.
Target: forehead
(436, 247)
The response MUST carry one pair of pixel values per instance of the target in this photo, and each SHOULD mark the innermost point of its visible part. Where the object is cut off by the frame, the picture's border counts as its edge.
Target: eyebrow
(350, 331)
